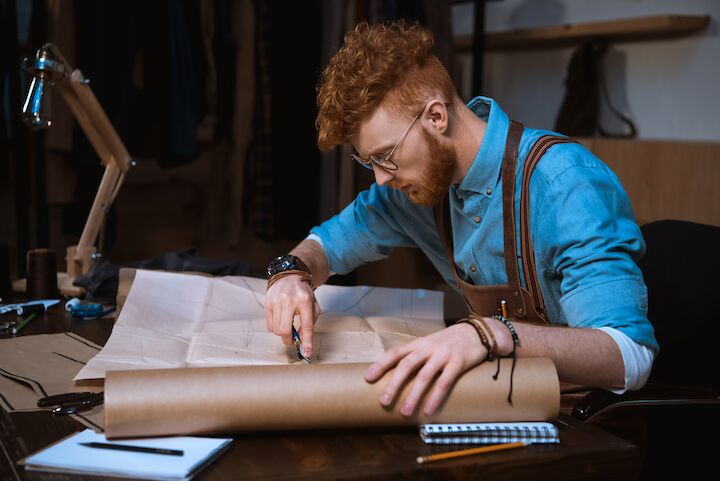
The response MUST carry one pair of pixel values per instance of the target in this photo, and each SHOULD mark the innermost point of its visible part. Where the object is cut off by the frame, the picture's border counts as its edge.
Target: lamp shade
(36, 109)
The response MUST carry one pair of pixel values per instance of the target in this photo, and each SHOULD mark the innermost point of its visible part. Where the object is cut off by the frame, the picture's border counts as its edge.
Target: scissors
(6, 327)
(72, 402)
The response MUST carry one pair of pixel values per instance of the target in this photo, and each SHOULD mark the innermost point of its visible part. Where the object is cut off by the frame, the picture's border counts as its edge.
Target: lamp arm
(49, 67)
(106, 142)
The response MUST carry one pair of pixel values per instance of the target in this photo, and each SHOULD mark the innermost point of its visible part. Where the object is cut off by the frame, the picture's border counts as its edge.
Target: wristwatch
(286, 263)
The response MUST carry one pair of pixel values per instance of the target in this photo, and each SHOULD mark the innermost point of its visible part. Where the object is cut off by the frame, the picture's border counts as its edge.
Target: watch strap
(306, 277)
(301, 266)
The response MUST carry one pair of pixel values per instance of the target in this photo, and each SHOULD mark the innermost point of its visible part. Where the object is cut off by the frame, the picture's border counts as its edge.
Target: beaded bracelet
(481, 333)
(511, 328)
(487, 328)
(516, 343)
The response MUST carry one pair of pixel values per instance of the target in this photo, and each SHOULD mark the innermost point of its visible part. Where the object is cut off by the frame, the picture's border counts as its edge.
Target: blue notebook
(69, 456)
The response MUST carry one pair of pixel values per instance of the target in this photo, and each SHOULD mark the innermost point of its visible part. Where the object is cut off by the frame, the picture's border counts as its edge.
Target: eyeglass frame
(383, 159)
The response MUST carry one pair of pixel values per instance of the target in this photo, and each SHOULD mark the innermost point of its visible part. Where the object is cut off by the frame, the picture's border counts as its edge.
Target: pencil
(24, 323)
(468, 452)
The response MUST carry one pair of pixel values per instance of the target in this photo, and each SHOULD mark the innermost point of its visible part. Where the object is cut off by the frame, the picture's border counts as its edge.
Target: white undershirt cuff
(638, 360)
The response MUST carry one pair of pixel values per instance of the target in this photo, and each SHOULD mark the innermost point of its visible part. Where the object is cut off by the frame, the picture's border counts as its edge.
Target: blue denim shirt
(582, 227)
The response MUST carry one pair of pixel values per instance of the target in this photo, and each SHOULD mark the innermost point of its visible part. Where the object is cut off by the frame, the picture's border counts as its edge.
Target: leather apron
(523, 303)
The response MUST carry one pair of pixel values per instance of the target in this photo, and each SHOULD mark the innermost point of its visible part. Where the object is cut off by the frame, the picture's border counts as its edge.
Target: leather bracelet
(306, 277)
(481, 333)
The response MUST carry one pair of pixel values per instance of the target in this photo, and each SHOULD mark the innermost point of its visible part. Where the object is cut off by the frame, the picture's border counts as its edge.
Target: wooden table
(584, 452)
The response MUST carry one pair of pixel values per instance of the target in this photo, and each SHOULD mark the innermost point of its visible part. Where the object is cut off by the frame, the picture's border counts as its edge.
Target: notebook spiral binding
(489, 433)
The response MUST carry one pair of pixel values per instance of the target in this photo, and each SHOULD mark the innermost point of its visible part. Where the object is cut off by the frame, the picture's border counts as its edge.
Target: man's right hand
(285, 299)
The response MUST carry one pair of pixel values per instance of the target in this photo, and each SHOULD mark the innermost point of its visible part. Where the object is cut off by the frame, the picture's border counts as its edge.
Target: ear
(436, 116)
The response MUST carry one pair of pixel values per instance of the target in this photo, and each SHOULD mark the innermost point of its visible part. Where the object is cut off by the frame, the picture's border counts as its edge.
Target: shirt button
(477, 219)
(473, 268)
(488, 191)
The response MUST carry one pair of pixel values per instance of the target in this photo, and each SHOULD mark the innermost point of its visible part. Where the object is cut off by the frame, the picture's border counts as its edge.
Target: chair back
(681, 269)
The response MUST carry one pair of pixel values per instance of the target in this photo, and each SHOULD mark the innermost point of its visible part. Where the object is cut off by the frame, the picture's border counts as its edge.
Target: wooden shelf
(623, 30)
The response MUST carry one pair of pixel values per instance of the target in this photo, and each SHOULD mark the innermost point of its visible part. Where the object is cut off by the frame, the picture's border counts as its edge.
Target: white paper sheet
(175, 320)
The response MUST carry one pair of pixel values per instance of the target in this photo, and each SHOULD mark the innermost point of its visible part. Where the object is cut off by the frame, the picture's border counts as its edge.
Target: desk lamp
(50, 69)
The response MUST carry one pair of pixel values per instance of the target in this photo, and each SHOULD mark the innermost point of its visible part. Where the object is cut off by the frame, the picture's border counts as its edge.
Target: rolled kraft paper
(225, 400)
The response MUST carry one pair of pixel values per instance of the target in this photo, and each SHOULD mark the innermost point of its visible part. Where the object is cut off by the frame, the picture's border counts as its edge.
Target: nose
(382, 176)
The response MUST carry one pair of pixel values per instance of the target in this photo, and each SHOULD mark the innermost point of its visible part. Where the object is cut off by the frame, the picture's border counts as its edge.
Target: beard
(435, 181)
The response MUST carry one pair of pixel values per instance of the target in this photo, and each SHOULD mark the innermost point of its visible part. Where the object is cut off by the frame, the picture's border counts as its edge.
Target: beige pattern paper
(172, 320)
(32, 367)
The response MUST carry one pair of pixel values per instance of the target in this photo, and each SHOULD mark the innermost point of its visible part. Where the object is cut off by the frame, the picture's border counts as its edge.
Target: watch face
(281, 263)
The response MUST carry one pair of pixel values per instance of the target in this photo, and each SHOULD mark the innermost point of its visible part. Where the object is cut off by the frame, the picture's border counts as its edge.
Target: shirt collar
(484, 172)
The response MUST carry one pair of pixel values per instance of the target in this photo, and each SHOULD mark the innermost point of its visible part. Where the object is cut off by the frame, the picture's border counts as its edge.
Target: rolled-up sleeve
(365, 231)
(588, 237)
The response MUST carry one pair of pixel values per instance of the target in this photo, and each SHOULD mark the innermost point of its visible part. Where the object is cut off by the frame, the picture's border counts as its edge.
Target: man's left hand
(444, 354)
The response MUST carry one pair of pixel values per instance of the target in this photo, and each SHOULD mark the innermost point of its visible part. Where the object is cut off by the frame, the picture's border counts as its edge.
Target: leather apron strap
(507, 176)
(527, 256)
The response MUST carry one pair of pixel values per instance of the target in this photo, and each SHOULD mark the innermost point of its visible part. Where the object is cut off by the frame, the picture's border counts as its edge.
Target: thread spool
(72, 303)
(41, 274)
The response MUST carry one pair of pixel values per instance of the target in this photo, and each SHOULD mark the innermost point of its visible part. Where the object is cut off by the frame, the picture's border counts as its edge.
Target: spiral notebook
(490, 433)
(68, 456)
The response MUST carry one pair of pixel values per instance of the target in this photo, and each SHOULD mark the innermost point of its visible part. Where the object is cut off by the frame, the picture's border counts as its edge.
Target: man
(445, 174)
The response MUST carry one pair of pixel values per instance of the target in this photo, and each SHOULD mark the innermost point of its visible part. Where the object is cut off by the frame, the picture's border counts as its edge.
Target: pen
(468, 452)
(139, 449)
(24, 323)
(298, 341)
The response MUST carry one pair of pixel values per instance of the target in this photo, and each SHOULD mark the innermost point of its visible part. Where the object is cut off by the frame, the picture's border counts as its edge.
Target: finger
(306, 328)
(386, 361)
(405, 368)
(422, 380)
(268, 316)
(284, 329)
(442, 386)
(275, 321)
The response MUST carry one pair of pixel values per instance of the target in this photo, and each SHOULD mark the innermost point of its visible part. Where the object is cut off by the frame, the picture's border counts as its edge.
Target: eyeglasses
(383, 161)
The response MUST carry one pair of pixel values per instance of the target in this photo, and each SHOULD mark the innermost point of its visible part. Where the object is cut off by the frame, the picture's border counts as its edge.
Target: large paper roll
(225, 400)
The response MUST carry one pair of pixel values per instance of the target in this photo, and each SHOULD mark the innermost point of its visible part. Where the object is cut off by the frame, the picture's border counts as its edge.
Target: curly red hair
(390, 64)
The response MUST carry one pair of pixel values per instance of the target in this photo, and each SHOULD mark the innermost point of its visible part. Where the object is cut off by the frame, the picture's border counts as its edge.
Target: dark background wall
(214, 99)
